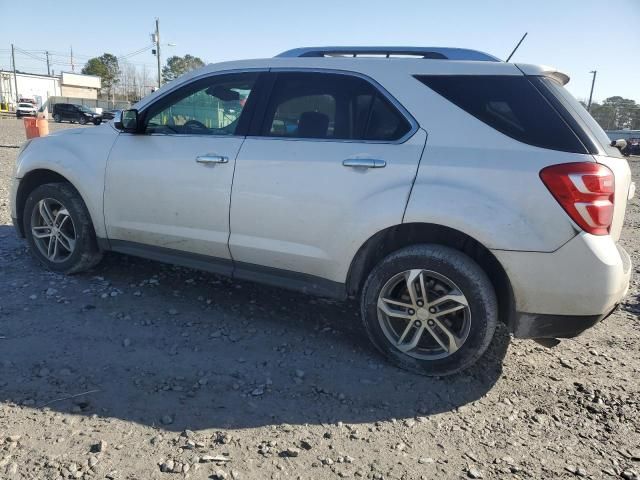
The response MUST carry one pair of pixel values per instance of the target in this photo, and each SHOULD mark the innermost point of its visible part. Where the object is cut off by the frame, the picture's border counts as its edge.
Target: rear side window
(511, 105)
(331, 106)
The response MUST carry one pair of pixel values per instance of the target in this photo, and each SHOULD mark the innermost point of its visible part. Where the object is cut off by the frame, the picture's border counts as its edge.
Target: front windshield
(84, 109)
(25, 105)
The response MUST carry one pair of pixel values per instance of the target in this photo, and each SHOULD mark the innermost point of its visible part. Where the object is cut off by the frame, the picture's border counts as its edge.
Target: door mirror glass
(127, 120)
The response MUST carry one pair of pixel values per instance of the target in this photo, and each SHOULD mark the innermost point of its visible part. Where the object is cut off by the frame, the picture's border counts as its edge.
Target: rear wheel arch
(391, 239)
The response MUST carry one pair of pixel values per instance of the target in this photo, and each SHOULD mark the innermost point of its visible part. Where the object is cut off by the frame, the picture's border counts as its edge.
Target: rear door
(65, 111)
(331, 162)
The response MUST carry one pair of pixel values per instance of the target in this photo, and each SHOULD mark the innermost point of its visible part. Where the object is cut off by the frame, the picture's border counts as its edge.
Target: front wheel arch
(29, 183)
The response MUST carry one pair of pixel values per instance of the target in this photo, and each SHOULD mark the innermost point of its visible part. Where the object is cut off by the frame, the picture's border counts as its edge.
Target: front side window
(331, 106)
(209, 107)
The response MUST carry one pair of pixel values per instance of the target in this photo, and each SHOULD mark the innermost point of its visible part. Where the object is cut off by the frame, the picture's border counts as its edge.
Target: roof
(458, 62)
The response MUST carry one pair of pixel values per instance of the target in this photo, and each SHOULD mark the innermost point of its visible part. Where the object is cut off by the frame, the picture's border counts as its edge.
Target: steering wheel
(194, 125)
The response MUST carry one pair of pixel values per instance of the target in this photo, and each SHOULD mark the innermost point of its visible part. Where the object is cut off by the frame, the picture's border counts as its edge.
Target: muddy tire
(58, 229)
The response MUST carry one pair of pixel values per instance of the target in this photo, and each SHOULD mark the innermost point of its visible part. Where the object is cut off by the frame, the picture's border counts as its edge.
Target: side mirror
(126, 120)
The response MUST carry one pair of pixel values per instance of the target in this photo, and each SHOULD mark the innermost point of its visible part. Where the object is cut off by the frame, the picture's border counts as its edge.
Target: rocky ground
(139, 370)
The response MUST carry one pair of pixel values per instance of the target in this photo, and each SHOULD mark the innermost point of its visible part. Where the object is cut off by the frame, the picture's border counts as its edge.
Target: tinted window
(579, 114)
(331, 106)
(209, 107)
(511, 105)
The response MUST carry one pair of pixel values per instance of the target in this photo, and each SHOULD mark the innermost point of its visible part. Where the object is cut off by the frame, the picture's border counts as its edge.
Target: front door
(169, 185)
(332, 162)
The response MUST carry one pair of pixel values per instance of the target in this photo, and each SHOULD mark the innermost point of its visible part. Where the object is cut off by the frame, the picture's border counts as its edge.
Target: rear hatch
(590, 133)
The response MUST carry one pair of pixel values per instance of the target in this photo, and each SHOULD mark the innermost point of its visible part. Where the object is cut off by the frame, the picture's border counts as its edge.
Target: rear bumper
(562, 293)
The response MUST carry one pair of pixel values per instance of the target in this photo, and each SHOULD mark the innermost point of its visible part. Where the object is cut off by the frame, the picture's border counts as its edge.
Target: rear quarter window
(509, 104)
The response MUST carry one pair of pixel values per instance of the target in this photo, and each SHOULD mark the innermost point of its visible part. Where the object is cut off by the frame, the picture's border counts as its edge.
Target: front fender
(80, 158)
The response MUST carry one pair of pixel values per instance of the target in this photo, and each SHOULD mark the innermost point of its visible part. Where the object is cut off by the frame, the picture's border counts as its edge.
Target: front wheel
(429, 309)
(59, 229)
(82, 120)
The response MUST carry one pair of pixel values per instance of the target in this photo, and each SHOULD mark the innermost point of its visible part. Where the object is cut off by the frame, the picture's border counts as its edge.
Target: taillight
(585, 191)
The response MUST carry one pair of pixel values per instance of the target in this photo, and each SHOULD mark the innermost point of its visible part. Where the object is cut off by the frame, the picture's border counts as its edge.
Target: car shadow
(161, 345)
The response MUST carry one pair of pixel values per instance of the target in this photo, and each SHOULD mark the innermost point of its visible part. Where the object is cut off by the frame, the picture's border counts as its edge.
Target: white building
(31, 86)
(40, 87)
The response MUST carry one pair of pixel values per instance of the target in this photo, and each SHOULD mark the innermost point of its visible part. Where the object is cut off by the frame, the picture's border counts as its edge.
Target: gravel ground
(138, 370)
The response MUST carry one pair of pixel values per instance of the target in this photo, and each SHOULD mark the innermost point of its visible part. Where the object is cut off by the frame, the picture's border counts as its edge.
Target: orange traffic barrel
(36, 127)
(42, 124)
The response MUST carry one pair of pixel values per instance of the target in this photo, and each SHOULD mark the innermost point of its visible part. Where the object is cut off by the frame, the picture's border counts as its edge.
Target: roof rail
(436, 53)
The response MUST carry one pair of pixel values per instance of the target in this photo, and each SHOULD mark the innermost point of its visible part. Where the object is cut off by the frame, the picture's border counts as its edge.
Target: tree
(616, 113)
(106, 67)
(177, 66)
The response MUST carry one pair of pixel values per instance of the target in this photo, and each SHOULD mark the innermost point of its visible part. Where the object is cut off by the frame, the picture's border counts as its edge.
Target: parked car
(26, 110)
(633, 146)
(75, 113)
(346, 177)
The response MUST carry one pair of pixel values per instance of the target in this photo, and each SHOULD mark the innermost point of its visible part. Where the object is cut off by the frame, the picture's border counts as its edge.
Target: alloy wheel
(53, 230)
(424, 314)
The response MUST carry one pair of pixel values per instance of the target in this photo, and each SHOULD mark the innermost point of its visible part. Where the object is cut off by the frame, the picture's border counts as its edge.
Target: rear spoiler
(545, 71)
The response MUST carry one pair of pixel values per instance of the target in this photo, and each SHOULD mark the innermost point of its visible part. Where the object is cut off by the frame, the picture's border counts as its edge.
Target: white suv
(447, 190)
(26, 110)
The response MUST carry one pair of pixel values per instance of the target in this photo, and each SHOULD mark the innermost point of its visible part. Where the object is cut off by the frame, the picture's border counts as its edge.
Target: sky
(575, 36)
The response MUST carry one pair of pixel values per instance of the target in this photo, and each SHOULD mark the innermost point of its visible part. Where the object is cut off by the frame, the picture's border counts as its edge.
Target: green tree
(616, 113)
(177, 66)
(106, 67)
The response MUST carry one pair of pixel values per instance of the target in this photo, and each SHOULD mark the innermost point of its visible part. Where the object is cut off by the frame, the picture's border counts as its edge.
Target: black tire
(57, 118)
(97, 121)
(86, 253)
(470, 279)
(82, 120)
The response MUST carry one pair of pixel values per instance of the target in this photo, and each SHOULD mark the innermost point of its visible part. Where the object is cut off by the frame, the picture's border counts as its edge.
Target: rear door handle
(364, 163)
(211, 158)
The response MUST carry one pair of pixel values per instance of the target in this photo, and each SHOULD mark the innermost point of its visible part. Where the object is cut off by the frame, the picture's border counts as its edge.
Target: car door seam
(415, 177)
(104, 188)
(233, 176)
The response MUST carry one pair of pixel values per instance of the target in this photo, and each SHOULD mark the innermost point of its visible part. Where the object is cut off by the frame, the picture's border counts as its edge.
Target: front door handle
(212, 158)
(364, 163)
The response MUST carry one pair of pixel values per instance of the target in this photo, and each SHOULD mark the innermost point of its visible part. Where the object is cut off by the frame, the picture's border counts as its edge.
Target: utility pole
(158, 50)
(15, 77)
(593, 82)
(73, 69)
(48, 67)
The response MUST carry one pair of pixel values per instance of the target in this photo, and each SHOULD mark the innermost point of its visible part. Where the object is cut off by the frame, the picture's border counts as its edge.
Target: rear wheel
(57, 118)
(59, 229)
(429, 309)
